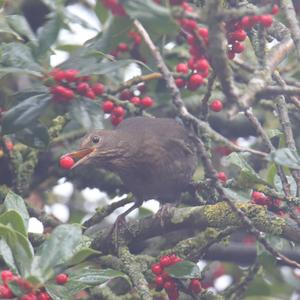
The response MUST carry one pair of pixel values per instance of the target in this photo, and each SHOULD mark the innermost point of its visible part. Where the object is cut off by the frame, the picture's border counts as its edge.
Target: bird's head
(97, 147)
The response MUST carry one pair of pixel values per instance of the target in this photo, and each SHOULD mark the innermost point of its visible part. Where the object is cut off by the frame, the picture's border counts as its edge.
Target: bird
(154, 157)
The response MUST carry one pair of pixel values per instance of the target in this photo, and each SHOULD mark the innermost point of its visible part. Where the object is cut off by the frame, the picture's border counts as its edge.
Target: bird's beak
(81, 155)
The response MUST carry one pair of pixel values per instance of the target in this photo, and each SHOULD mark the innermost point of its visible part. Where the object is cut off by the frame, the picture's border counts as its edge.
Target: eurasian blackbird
(154, 157)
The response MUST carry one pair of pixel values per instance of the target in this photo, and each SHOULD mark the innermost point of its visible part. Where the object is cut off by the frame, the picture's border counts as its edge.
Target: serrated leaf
(87, 113)
(35, 136)
(56, 251)
(21, 249)
(17, 55)
(155, 17)
(184, 270)
(14, 220)
(25, 113)
(14, 202)
(247, 176)
(286, 157)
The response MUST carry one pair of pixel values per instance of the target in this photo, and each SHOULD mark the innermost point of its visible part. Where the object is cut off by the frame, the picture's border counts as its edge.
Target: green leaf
(21, 249)
(106, 67)
(237, 196)
(7, 256)
(35, 136)
(20, 25)
(155, 17)
(7, 71)
(58, 292)
(184, 270)
(14, 220)
(56, 251)
(87, 113)
(247, 176)
(286, 157)
(14, 202)
(25, 113)
(18, 56)
(48, 34)
(291, 181)
(7, 34)
(82, 255)
(101, 12)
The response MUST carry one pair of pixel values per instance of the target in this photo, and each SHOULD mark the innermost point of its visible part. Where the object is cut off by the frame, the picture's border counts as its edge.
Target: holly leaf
(286, 157)
(25, 113)
(16, 203)
(184, 270)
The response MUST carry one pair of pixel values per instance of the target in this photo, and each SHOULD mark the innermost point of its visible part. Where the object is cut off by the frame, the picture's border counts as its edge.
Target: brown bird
(155, 158)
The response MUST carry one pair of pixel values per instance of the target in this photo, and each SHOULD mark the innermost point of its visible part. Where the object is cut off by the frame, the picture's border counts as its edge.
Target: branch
(218, 215)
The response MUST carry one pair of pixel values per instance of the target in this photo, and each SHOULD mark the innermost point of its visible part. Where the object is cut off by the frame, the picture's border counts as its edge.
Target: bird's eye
(95, 139)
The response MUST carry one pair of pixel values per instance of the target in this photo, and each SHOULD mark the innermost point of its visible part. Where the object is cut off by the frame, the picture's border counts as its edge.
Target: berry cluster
(68, 84)
(131, 47)
(236, 33)
(260, 198)
(164, 281)
(117, 112)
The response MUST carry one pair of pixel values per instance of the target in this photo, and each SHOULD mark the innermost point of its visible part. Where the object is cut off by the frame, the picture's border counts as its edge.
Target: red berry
(238, 47)
(7, 275)
(222, 177)
(195, 286)
(180, 82)
(136, 37)
(118, 111)
(135, 100)
(195, 81)
(216, 106)
(231, 54)
(123, 47)
(239, 35)
(116, 120)
(156, 269)
(275, 9)
(259, 198)
(189, 24)
(159, 280)
(90, 94)
(126, 94)
(147, 101)
(182, 68)
(66, 162)
(246, 22)
(58, 75)
(169, 284)
(71, 75)
(5, 292)
(165, 261)
(107, 106)
(98, 88)
(61, 278)
(266, 20)
(203, 32)
(82, 88)
(43, 296)
(30, 296)
(255, 19)
(201, 65)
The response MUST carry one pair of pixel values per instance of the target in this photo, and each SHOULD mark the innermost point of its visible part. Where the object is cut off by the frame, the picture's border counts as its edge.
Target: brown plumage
(155, 158)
